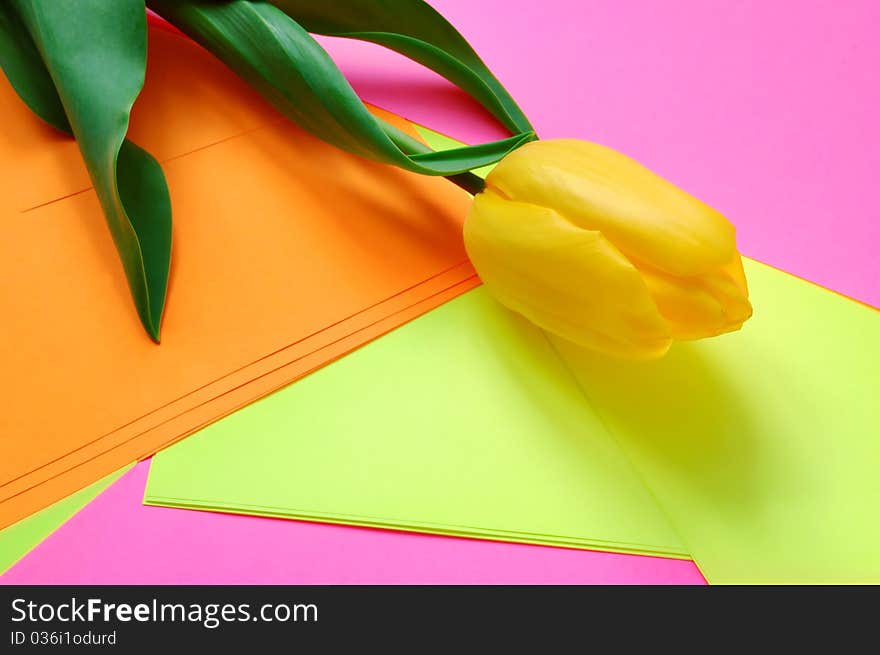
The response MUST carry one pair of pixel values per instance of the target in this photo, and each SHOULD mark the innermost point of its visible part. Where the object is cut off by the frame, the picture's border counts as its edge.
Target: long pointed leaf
(416, 30)
(79, 65)
(280, 59)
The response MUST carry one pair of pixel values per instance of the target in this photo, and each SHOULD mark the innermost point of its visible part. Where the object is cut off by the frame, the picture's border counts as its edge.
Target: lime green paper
(464, 422)
(19, 539)
(763, 446)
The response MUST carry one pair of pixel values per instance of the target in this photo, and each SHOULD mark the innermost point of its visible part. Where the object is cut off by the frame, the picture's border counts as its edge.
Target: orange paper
(287, 254)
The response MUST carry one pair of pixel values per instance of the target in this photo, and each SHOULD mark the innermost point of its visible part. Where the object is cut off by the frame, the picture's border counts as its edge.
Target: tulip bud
(591, 245)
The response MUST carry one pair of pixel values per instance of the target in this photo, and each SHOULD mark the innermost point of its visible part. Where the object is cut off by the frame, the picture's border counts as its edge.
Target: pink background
(765, 109)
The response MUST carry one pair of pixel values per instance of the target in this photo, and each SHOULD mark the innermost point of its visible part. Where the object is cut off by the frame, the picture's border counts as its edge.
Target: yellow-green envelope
(757, 453)
(465, 422)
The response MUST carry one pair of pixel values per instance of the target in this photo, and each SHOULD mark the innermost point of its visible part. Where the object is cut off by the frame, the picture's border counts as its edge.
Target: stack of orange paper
(287, 254)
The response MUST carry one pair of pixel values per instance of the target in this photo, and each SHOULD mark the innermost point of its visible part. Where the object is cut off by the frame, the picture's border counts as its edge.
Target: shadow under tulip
(412, 215)
(680, 416)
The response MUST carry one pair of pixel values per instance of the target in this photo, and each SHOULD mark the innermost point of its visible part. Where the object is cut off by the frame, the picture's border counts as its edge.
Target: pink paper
(117, 540)
(766, 110)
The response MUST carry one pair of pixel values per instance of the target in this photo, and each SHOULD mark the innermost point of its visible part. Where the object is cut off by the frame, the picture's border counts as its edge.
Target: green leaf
(79, 65)
(26, 71)
(414, 29)
(282, 61)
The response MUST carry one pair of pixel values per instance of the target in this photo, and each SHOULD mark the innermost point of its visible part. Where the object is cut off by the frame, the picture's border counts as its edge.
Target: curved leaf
(414, 29)
(26, 71)
(280, 59)
(79, 65)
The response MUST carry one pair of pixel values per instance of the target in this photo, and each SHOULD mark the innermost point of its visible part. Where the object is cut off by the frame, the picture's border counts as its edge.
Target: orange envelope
(287, 254)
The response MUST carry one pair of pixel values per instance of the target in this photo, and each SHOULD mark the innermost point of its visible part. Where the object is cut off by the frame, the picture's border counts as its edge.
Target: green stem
(471, 183)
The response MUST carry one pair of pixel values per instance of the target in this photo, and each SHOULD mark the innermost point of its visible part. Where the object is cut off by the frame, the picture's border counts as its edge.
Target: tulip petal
(701, 306)
(597, 188)
(568, 280)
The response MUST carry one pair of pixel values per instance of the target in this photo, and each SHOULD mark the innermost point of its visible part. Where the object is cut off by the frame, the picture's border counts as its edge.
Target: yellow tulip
(591, 245)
